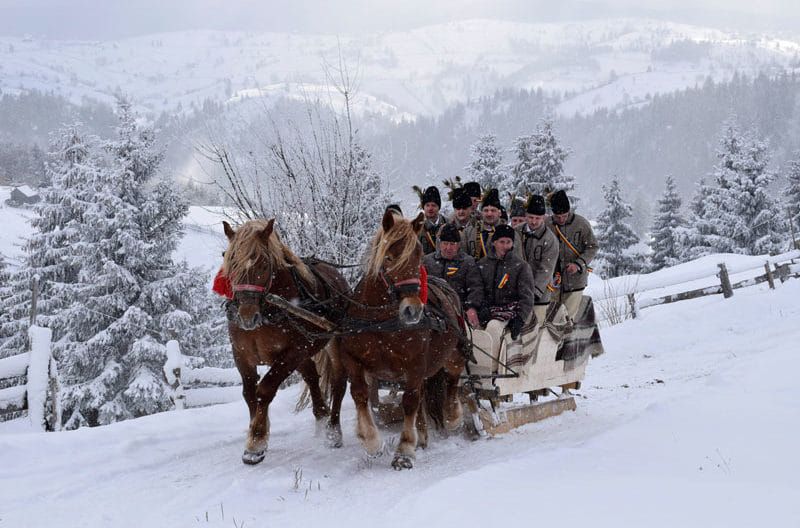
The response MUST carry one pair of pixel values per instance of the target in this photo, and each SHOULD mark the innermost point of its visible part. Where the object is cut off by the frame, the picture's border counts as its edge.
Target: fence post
(34, 296)
(39, 375)
(632, 304)
(172, 371)
(770, 277)
(725, 281)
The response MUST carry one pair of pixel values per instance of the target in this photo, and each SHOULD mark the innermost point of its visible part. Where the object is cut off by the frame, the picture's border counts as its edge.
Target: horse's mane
(248, 245)
(401, 232)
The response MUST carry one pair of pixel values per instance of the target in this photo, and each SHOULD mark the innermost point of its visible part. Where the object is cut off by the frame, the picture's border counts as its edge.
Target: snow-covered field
(690, 419)
(603, 63)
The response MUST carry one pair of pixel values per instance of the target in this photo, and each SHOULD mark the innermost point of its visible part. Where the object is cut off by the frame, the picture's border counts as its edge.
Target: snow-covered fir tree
(702, 233)
(739, 213)
(486, 166)
(51, 253)
(615, 236)
(791, 195)
(130, 297)
(540, 163)
(668, 228)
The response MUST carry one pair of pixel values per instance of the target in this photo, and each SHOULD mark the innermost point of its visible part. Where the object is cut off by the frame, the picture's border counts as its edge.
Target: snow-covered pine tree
(750, 219)
(486, 166)
(540, 163)
(701, 235)
(615, 236)
(130, 297)
(51, 252)
(668, 227)
(792, 195)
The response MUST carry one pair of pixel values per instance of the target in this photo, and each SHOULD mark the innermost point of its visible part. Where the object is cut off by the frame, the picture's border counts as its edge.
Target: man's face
(449, 250)
(502, 246)
(517, 220)
(463, 214)
(431, 210)
(490, 214)
(534, 221)
(561, 218)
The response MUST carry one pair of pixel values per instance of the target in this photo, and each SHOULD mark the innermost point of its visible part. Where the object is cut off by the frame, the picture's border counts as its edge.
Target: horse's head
(250, 266)
(396, 258)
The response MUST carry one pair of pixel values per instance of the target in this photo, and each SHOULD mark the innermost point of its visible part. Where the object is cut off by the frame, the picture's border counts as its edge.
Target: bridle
(400, 288)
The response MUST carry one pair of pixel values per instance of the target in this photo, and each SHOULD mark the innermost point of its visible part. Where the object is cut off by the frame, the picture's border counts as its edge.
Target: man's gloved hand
(484, 314)
(515, 326)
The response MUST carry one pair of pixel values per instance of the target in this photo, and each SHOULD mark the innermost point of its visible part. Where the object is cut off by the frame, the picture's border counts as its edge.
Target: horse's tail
(322, 360)
(435, 395)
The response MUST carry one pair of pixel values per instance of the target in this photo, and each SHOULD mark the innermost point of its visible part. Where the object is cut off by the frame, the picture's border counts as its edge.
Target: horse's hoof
(253, 457)
(333, 439)
(401, 462)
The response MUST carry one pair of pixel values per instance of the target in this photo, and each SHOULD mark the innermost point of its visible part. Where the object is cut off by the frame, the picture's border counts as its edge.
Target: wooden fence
(199, 387)
(29, 384)
(780, 272)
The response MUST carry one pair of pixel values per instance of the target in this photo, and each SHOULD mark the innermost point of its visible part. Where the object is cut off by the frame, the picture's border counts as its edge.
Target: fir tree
(540, 163)
(792, 195)
(486, 166)
(615, 236)
(51, 253)
(130, 297)
(749, 218)
(700, 237)
(668, 225)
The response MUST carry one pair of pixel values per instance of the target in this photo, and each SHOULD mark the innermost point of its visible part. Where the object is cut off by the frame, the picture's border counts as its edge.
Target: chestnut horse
(389, 334)
(257, 263)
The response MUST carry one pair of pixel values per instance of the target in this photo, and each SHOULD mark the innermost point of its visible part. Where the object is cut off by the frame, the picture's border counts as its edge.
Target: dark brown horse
(391, 336)
(257, 263)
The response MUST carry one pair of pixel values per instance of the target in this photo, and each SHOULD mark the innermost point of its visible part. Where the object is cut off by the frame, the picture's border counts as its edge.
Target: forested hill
(669, 134)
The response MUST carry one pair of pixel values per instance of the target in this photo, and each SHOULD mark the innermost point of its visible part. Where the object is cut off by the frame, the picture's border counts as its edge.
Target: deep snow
(689, 419)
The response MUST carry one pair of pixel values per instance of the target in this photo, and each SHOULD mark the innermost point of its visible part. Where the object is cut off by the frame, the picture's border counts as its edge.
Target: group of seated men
(505, 268)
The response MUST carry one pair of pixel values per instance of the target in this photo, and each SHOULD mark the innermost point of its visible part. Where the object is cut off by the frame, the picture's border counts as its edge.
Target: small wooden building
(23, 194)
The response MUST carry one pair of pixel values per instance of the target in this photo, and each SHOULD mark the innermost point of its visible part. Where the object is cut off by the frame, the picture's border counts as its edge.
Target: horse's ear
(267, 231)
(388, 220)
(229, 232)
(416, 224)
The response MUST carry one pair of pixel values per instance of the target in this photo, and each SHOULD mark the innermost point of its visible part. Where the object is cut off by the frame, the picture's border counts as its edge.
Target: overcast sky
(109, 19)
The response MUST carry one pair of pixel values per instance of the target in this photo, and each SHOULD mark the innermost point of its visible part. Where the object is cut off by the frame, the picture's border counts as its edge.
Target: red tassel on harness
(222, 286)
(423, 284)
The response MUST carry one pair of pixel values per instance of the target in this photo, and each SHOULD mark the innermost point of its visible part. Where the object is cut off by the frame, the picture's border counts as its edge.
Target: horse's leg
(249, 374)
(258, 438)
(453, 414)
(310, 375)
(359, 390)
(404, 455)
(422, 425)
(338, 389)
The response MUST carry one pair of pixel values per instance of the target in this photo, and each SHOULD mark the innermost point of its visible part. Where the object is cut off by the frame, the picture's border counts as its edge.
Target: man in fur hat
(507, 286)
(431, 203)
(462, 211)
(459, 269)
(477, 238)
(538, 246)
(473, 190)
(517, 212)
(577, 248)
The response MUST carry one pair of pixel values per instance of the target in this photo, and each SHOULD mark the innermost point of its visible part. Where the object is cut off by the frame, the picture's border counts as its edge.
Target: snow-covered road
(691, 418)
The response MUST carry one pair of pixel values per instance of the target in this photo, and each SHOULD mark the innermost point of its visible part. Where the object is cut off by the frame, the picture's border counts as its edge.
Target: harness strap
(569, 245)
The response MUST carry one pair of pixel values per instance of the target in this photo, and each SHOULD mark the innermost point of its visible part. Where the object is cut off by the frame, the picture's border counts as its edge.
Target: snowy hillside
(400, 74)
(689, 419)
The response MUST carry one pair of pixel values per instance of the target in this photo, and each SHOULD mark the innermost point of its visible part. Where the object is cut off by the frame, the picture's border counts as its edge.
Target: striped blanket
(584, 339)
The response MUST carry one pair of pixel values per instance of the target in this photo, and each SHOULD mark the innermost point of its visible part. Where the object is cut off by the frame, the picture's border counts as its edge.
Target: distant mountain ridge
(603, 63)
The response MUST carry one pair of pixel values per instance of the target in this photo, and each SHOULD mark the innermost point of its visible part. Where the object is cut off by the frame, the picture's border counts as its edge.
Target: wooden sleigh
(535, 364)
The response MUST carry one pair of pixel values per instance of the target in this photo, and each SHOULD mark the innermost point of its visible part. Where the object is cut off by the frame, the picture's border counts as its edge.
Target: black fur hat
(559, 202)
(461, 200)
(394, 208)
(517, 208)
(535, 205)
(492, 198)
(449, 233)
(503, 230)
(473, 189)
(431, 194)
